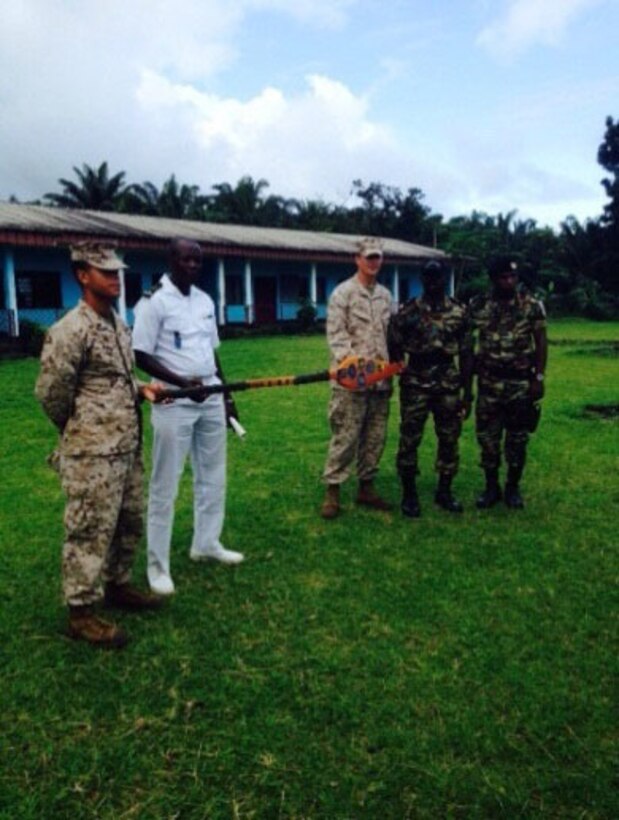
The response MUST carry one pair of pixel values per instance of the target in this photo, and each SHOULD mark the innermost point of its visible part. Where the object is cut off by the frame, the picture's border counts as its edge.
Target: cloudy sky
(492, 105)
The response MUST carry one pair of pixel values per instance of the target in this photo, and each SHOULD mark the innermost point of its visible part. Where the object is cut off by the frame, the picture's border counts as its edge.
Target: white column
(11, 291)
(396, 286)
(221, 290)
(313, 289)
(452, 281)
(249, 294)
(122, 296)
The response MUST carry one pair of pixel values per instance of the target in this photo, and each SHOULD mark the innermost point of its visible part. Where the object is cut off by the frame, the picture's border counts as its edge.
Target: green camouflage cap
(100, 255)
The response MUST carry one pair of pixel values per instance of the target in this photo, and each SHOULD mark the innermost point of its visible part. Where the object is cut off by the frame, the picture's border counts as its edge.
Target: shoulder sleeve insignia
(152, 290)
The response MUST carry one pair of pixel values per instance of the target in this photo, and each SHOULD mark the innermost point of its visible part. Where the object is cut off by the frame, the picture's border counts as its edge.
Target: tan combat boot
(331, 505)
(368, 497)
(84, 625)
(126, 596)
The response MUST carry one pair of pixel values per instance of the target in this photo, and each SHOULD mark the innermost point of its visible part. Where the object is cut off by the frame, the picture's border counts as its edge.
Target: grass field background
(366, 667)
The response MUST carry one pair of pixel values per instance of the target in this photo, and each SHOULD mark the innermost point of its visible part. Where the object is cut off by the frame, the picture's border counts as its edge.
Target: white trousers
(181, 429)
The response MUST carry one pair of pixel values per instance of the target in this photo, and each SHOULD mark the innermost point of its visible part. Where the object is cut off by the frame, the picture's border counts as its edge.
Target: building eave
(40, 226)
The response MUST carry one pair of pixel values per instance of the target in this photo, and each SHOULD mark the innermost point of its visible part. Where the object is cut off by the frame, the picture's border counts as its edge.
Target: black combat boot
(443, 495)
(512, 496)
(492, 493)
(410, 500)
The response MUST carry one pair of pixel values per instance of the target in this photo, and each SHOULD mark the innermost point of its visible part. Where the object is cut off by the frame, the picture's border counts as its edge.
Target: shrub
(306, 315)
(31, 336)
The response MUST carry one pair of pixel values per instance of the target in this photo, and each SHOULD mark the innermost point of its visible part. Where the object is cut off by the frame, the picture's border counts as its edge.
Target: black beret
(502, 264)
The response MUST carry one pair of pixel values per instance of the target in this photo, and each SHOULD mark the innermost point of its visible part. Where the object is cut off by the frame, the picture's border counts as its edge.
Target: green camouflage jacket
(430, 340)
(505, 331)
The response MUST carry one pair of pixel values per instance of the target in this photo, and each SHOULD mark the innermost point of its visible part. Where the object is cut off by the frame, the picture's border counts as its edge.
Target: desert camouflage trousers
(415, 407)
(103, 522)
(358, 430)
(495, 417)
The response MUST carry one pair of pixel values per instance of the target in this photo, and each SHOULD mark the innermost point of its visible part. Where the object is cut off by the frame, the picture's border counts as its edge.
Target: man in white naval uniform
(175, 337)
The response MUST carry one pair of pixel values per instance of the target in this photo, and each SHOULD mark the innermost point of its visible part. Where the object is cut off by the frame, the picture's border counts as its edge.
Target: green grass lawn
(367, 667)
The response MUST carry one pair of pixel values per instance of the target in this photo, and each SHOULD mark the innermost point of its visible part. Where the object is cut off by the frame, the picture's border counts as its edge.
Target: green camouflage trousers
(358, 429)
(415, 407)
(103, 522)
(494, 417)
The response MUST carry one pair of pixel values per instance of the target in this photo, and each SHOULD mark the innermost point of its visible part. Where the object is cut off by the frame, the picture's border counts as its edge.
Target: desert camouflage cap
(370, 246)
(101, 255)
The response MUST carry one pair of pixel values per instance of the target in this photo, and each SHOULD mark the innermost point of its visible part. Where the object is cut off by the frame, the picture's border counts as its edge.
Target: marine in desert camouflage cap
(370, 246)
(100, 255)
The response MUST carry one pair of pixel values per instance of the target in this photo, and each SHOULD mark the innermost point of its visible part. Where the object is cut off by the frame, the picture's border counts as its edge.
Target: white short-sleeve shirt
(179, 331)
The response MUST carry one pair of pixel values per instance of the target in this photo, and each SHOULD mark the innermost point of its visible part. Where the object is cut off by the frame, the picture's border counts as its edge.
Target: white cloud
(530, 22)
(157, 88)
(129, 83)
(305, 144)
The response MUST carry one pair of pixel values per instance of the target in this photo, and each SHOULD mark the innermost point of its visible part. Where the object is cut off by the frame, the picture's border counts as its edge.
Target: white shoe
(161, 584)
(220, 554)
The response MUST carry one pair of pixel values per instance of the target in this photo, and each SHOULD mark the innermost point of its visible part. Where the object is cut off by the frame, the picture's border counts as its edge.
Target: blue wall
(288, 276)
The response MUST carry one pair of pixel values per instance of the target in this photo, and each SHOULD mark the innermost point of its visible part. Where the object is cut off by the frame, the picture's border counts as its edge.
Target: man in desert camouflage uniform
(510, 364)
(432, 332)
(87, 389)
(357, 319)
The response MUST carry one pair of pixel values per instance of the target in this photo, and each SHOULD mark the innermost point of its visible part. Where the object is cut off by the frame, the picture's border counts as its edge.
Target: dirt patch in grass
(607, 349)
(601, 411)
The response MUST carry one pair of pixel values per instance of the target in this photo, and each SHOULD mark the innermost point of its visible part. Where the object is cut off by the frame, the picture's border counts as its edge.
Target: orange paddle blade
(358, 373)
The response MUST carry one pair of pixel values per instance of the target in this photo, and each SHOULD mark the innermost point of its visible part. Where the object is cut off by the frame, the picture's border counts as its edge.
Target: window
(294, 288)
(133, 288)
(321, 290)
(234, 290)
(38, 289)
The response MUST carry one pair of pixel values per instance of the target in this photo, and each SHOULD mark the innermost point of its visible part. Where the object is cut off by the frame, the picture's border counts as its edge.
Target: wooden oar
(353, 373)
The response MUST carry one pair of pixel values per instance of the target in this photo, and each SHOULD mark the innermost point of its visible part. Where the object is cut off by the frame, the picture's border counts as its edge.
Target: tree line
(575, 268)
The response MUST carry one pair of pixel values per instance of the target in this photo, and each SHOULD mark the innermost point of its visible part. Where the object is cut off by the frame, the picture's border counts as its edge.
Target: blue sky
(494, 106)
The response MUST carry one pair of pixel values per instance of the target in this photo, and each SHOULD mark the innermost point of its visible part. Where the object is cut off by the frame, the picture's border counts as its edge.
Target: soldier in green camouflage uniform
(357, 320)
(510, 364)
(87, 389)
(431, 331)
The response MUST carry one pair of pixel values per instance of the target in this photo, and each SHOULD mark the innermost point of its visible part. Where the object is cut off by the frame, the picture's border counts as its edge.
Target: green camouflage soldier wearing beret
(512, 349)
(431, 331)
(87, 389)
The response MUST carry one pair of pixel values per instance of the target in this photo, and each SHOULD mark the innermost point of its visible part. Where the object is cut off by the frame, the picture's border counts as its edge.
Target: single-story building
(255, 275)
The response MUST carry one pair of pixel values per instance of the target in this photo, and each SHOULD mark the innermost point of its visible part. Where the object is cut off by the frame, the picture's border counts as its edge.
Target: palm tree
(240, 205)
(141, 199)
(173, 200)
(178, 201)
(95, 190)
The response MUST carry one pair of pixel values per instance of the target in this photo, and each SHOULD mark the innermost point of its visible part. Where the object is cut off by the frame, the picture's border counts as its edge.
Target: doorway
(265, 299)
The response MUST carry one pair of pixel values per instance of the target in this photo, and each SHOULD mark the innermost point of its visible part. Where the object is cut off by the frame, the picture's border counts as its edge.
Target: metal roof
(40, 225)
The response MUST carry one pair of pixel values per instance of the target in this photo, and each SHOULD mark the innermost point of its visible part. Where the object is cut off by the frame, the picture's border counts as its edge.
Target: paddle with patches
(353, 373)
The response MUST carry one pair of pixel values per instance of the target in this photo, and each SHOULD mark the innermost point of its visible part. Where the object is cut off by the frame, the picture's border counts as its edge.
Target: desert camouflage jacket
(86, 386)
(357, 320)
(431, 339)
(505, 330)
